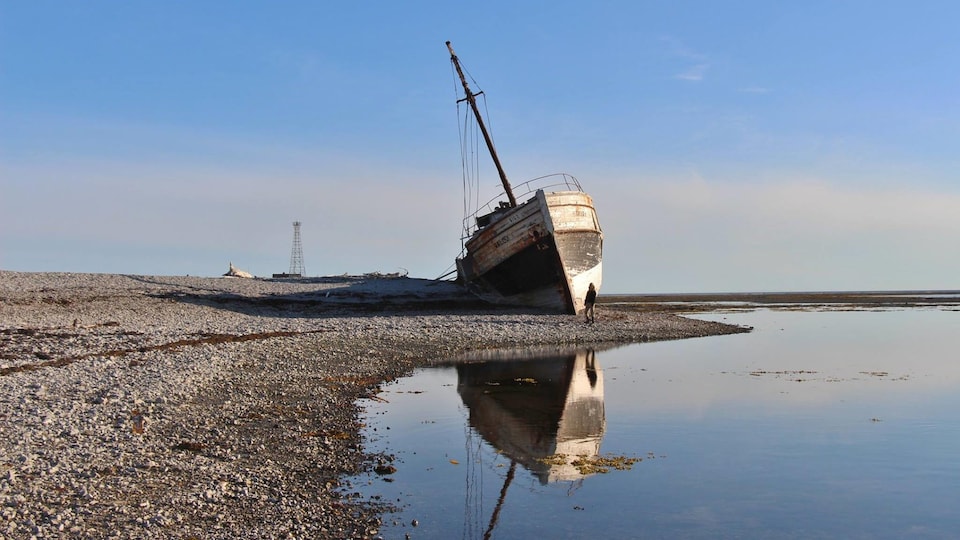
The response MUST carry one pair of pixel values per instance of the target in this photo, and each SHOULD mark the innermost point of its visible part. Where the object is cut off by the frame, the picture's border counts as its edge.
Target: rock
(167, 389)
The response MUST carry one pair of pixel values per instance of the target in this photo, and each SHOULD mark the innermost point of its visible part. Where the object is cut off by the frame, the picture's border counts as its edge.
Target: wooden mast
(483, 129)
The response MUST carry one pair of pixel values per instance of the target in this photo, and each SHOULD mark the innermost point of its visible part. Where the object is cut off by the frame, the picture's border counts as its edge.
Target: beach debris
(380, 275)
(189, 446)
(759, 372)
(139, 422)
(790, 374)
(236, 272)
(384, 469)
(603, 464)
(592, 464)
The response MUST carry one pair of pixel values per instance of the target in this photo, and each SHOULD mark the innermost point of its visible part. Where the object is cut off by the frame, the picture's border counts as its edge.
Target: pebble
(175, 406)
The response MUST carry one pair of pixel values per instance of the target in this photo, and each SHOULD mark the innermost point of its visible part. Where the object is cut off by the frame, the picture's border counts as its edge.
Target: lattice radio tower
(296, 254)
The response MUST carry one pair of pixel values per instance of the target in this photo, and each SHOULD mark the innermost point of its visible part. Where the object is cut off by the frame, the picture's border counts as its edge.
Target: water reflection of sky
(833, 355)
(816, 424)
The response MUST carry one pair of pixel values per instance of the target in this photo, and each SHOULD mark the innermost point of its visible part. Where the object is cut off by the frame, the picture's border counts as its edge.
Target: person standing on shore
(588, 303)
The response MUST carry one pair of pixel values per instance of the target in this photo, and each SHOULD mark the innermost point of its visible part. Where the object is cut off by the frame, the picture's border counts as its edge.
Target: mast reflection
(534, 408)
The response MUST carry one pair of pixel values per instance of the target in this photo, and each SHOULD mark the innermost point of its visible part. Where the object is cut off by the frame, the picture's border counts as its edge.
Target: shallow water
(816, 424)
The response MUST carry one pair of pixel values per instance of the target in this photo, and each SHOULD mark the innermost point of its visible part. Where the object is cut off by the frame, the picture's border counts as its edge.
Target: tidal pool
(836, 424)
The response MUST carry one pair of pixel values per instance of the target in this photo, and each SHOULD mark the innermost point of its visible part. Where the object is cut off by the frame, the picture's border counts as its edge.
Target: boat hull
(543, 253)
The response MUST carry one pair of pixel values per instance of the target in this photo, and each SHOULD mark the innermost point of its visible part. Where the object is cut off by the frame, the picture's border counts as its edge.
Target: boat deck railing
(523, 192)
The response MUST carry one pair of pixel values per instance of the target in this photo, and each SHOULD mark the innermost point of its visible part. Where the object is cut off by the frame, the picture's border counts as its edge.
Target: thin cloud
(793, 233)
(755, 90)
(677, 48)
(813, 206)
(693, 74)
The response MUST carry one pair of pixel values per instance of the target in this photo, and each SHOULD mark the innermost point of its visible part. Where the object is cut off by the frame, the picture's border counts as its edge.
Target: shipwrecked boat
(541, 252)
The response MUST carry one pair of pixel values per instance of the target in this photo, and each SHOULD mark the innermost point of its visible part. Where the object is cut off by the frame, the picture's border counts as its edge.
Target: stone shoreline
(188, 407)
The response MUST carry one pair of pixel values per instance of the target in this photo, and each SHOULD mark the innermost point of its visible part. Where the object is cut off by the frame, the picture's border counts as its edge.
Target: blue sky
(729, 146)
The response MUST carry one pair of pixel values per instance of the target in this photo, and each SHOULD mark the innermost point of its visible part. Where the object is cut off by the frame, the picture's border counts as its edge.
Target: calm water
(815, 425)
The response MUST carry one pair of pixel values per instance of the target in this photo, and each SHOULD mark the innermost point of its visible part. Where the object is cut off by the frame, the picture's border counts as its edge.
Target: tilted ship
(541, 252)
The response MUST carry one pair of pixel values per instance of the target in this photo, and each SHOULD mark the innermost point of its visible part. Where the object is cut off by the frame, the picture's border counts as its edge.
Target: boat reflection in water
(535, 409)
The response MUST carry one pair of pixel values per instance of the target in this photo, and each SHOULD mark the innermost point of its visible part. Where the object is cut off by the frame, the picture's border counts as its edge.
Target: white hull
(543, 253)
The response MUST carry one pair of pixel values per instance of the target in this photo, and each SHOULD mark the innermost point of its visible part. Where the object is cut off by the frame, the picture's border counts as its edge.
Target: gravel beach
(189, 407)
